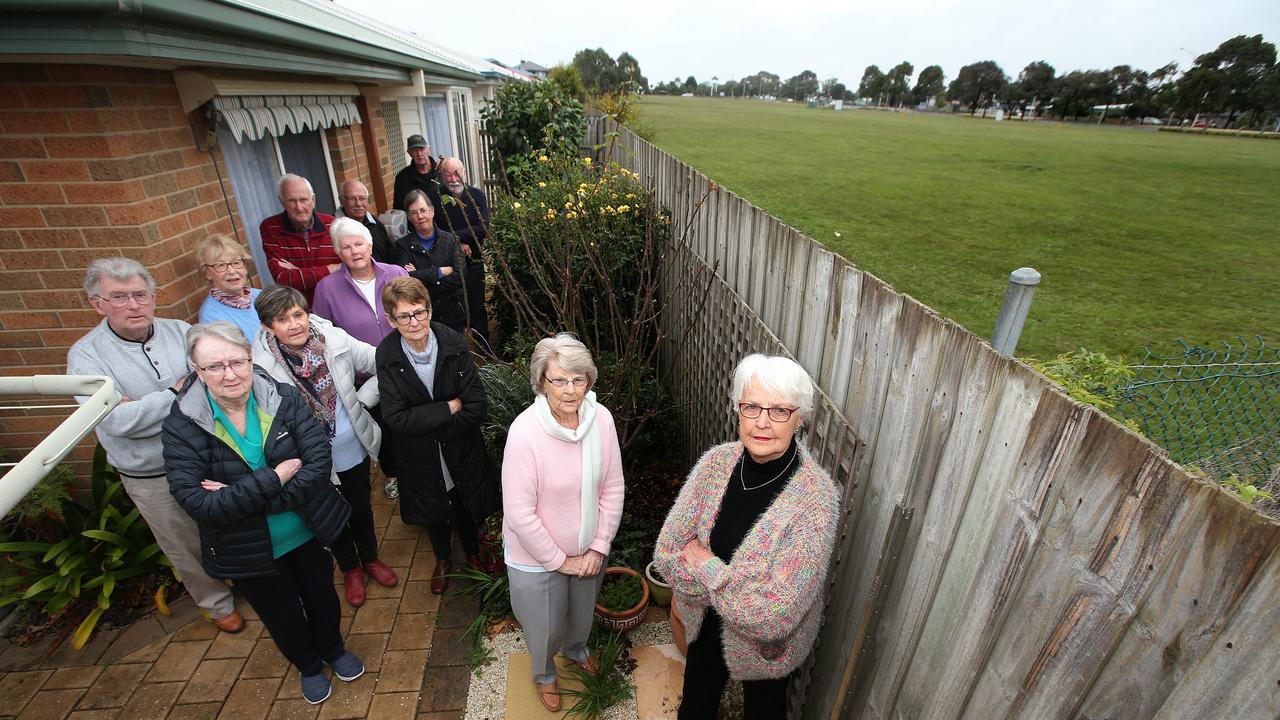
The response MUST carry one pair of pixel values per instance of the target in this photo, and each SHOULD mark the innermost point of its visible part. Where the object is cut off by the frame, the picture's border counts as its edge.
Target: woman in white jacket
(322, 361)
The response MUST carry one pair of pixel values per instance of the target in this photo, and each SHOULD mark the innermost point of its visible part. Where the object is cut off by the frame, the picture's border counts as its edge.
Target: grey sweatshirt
(143, 372)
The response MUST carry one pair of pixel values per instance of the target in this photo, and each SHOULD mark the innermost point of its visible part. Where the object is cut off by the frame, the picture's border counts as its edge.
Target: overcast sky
(835, 37)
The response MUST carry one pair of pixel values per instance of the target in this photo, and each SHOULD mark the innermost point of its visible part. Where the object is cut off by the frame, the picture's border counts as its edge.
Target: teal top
(287, 529)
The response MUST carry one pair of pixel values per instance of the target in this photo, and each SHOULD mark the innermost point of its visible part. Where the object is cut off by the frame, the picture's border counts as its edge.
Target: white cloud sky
(833, 38)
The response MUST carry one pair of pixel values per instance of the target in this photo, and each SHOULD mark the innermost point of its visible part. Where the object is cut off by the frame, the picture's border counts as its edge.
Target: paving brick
(375, 616)
(402, 671)
(296, 709)
(94, 715)
(145, 654)
(66, 655)
(74, 677)
(250, 699)
(19, 687)
(265, 661)
(52, 704)
(457, 610)
(424, 562)
(374, 591)
(412, 632)
(398, 530)
(152, 701)
(369, 648)
(444, 688)
(234, 645)
(449, 647)
(446, 715)
(178, 661)
(212, 680)
(184, 611)
(394, 706)
(202, 711)
(16, 657)
(397, 553)
(417, 598)
(197, 631)
(113, 687)
(349, 699)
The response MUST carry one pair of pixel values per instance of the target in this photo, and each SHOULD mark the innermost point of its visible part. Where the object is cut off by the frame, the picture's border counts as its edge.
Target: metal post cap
(1025, 276)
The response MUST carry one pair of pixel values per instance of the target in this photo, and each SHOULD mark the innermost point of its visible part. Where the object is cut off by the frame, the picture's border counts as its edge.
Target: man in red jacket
(296, 242)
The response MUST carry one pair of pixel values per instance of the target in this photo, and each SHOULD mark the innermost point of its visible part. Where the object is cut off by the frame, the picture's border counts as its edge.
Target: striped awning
(251, 116)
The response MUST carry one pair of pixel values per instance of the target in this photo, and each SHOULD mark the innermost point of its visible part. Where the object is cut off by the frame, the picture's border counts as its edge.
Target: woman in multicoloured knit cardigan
(746, 545)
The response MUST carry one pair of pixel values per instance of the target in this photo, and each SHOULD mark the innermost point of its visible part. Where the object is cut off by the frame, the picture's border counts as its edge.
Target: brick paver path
(181, 667)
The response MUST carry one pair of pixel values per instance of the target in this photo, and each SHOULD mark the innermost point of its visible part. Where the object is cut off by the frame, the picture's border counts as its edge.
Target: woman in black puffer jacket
(248, 461)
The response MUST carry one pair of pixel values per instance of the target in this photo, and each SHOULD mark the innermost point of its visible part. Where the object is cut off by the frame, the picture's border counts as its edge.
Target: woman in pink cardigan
(562, 491)
(746, 545)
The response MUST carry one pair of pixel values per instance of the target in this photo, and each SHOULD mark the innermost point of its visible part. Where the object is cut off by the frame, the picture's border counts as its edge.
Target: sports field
(1141, 237)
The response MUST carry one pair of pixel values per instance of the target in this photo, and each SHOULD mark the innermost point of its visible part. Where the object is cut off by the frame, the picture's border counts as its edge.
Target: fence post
(1013, 313)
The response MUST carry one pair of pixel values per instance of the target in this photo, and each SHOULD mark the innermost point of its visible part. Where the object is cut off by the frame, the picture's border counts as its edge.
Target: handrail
(103, 397)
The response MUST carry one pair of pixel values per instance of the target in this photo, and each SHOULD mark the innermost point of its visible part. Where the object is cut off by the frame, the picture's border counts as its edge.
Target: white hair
(569, 353)
(779, 376)
(220, 329)
(346, 227)
(462, 169)
(290, 177)
(120, 269)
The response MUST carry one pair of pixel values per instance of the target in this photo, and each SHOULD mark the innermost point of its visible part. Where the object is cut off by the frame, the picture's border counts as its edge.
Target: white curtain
(253, 170)
(436, 112)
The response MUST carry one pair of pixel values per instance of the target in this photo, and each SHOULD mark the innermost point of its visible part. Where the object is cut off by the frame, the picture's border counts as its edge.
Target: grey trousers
(179, 538)
(556, 612)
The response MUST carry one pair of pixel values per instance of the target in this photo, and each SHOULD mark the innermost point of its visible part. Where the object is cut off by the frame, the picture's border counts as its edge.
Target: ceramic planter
(629, 618)
(659, 591)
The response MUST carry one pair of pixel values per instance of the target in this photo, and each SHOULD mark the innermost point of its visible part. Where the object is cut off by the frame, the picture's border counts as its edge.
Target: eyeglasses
(419, 213)
(142, 297)
(577, 382)
(419, 316)
(751, 411)
(221, 368)
(238, 263)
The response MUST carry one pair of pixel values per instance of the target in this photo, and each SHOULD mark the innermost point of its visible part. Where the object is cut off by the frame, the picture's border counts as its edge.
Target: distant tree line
(1238, 83)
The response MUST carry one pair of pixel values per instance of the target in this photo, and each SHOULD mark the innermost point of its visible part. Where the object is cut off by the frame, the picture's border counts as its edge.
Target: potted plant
(622, 600)
(659, 590)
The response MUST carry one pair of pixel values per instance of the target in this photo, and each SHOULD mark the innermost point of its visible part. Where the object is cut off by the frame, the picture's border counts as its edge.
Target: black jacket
(423, 426)
(409, 179)
(234, 539)
(448, 302)
(467, 216)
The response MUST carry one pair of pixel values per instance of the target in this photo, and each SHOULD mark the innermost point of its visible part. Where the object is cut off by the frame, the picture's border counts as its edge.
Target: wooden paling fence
(1006, 551)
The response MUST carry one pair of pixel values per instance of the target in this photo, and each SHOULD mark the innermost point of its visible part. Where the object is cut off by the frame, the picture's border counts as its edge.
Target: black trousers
(357, 544)
(387, 453)
(299, 607)
(441, 533)
(705, 676)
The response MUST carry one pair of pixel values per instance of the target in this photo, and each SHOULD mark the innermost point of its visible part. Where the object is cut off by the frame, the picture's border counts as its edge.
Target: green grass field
(1141, 237)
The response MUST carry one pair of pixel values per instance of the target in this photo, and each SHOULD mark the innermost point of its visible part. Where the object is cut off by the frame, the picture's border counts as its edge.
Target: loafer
(438, 580)
(347, 667)
(353, 583)
(381, 574)
(316, 688)
(391, 488)
(549, 695)
(230, 623)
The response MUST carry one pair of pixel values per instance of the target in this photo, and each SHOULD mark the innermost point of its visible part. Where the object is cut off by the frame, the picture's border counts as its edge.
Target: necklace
(743, 480)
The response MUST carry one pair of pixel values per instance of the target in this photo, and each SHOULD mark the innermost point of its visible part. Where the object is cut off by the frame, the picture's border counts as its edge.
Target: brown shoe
(381, 574)
(229, 623)
(549, 694)
(438, 580)
(353, 583)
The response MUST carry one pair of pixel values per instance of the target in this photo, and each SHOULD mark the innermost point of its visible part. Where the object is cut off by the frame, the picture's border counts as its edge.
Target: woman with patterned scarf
(322, 360)
(223, 263)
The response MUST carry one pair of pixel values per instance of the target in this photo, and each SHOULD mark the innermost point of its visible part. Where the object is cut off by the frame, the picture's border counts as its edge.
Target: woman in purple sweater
(746, 545)
(562, 490)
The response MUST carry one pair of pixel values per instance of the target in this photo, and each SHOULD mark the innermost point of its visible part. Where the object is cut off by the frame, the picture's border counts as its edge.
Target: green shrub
(527, 119)
(509, 393)
(620, 591)
(1089, 377)
(608, 686)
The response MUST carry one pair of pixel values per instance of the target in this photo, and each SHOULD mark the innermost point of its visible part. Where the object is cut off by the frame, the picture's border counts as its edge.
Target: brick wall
(94, 161)
(350, 160)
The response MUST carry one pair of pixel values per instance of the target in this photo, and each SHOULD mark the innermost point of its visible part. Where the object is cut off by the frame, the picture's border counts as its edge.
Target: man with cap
(420, 174)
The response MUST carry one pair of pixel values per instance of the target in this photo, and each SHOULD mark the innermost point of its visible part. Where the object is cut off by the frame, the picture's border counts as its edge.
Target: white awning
(251, 116)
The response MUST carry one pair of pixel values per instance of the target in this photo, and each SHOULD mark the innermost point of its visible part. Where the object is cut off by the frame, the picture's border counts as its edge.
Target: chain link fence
(1214, 408)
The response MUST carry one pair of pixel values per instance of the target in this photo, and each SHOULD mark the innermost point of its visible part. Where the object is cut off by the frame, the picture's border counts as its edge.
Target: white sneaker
(391, 488)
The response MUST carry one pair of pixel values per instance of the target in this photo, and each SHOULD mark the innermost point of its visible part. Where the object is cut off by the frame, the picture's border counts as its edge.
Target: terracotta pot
(629, 618)
(677, 631)
(659, 591)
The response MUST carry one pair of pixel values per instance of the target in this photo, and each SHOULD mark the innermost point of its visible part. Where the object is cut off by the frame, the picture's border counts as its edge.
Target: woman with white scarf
(562, 491)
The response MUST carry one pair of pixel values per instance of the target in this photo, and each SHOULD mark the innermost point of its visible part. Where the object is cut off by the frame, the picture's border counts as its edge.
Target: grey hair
(290, 177)
(346, 227)
(120, 269)
(568, 352)
(220, 329)
(779, 376)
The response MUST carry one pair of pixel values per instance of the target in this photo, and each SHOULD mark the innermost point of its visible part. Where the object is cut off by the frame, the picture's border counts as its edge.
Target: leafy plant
(620, 591)
(44, 501)
(525, 119)
(494, 592)
(508, 391)
(632, 544)
(1247, 491)
(606, 687)
(100, 545)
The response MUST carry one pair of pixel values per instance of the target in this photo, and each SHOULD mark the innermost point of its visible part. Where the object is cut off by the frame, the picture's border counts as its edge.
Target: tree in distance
(1239, 76)
(1035, 85)
(873, 82)
(929, 83)
(896, 82)
(978, 84)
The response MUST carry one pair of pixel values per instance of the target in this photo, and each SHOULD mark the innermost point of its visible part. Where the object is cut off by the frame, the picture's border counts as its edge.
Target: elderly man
(355, 205)
(146, 358)
(296, 242)
(465, 213)
(420, 174)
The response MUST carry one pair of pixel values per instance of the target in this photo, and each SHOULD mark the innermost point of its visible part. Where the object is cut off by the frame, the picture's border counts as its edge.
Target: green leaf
(105, 536)
(83, 632)
(31, 547)
(57, 549)
(40, 586)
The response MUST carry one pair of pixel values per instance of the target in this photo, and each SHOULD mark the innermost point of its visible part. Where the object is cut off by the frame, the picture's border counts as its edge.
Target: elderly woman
(433, 402)
(745, 547)
(434, 257)
(562, 491)
(322, 361)
(225, 265)
(247, 460)
(349, 298)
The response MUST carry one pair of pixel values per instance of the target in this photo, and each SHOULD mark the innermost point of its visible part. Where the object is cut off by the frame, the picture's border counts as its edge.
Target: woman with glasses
(224, 264)
(433, 402)
(248, 461)
(562, 491)
(323, 362)
(435, 258)
(746, 545)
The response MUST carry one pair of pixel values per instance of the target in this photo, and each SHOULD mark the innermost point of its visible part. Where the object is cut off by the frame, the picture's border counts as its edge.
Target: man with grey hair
(355, 205)
(296, 242)
(146, 358)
